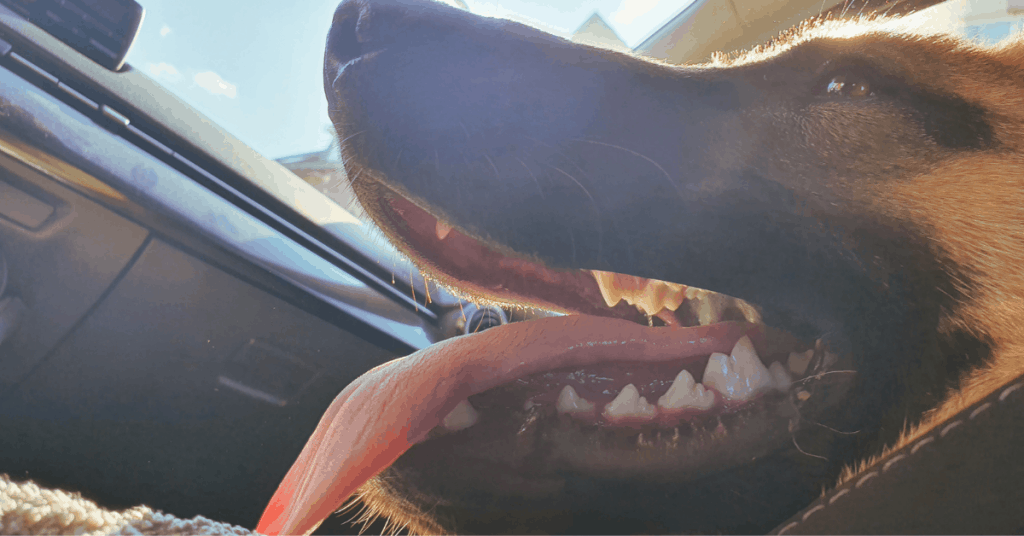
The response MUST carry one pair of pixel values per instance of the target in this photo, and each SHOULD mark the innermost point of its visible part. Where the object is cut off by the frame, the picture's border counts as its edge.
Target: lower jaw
(538, 444)
(552, 474)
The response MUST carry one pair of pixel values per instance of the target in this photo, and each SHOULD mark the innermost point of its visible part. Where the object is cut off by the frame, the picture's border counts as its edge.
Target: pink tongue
(385, 411)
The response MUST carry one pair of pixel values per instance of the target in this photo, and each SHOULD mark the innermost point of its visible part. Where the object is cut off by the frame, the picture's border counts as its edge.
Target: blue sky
(254, 66)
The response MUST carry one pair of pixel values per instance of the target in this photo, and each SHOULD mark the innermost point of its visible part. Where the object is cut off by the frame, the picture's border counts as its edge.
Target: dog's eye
(848, 86)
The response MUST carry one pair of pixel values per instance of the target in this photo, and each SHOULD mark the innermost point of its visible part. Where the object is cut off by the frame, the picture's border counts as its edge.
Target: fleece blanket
(26, 508)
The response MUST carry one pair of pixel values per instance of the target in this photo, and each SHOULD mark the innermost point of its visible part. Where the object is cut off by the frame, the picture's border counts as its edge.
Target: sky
(254, 66)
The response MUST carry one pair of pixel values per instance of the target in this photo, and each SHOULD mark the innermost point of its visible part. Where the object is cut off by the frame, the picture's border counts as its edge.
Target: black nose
(363, 26)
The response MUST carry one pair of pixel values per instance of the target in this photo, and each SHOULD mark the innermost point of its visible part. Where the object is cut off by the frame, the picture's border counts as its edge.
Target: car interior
(177, 310)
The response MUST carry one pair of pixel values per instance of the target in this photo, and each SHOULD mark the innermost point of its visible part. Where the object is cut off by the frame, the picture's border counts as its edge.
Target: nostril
(343, 42)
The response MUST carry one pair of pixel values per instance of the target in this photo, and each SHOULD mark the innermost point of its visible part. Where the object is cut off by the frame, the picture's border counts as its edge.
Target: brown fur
(972, 204)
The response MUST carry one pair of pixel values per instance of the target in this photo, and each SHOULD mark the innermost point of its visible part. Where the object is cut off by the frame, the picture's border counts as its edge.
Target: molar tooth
(629, 403)
(463, 416)
(658, 295)
(798, 361)
(685, 392)
(739, 376)
(780, 377)
(569, 401)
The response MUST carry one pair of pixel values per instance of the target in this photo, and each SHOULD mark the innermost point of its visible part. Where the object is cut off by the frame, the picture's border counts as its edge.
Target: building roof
(595, 31)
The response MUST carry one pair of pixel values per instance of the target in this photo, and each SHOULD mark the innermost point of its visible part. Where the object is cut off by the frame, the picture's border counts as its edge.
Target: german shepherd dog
(775, 265)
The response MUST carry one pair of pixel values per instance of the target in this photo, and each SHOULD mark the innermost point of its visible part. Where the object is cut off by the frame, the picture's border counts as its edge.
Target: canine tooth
(685, 392)
(780, 377)
(442, 230)
(463, 416)
(629, 403)
(739, 376)
(798, 361)
(569, 401)
(606, 284)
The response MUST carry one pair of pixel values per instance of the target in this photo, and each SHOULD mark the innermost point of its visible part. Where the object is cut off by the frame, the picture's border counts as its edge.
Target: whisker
(342, 142)
(820, 374)
(833, 429)
(353, 180)
(534, 177)
(802, 451)
(573, 179)
(494, 167)
(645, 157)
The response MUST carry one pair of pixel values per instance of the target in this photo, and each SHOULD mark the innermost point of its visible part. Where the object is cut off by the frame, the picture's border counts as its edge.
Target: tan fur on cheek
(974, 207)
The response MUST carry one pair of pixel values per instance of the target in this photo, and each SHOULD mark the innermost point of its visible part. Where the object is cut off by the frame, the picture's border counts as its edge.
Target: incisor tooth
(780, 377)
(629, 403)
(569, 401)
(685, 392)
(463, 416)
(441, 230)
(798, 361)
(739, 376)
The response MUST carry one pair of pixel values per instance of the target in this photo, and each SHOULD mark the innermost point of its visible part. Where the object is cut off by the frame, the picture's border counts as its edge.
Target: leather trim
(964, 477)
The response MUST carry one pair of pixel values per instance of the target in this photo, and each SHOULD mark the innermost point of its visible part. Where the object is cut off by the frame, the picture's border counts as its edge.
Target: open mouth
(733, 389)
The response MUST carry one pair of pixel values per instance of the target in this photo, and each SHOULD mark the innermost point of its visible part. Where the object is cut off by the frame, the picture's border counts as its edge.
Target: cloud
(164, 30)
(630, 10)
(164, 71)
(212, 82)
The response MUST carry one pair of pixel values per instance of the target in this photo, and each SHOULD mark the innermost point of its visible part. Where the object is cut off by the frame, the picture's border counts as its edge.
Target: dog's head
(834, 196)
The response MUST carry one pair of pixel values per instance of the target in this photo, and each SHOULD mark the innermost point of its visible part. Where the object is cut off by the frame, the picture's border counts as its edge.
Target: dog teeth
(780, 378)
(629, 403)
(463, 416)
(569, 401)
(648, 295)
(798, 361)
(685, 392)
(651, 296)
(740, 376)
(711, 307)
(441, 230)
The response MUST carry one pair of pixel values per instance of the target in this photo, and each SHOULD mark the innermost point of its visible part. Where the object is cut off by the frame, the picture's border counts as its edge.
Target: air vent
(102, 30)
(485, 317)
